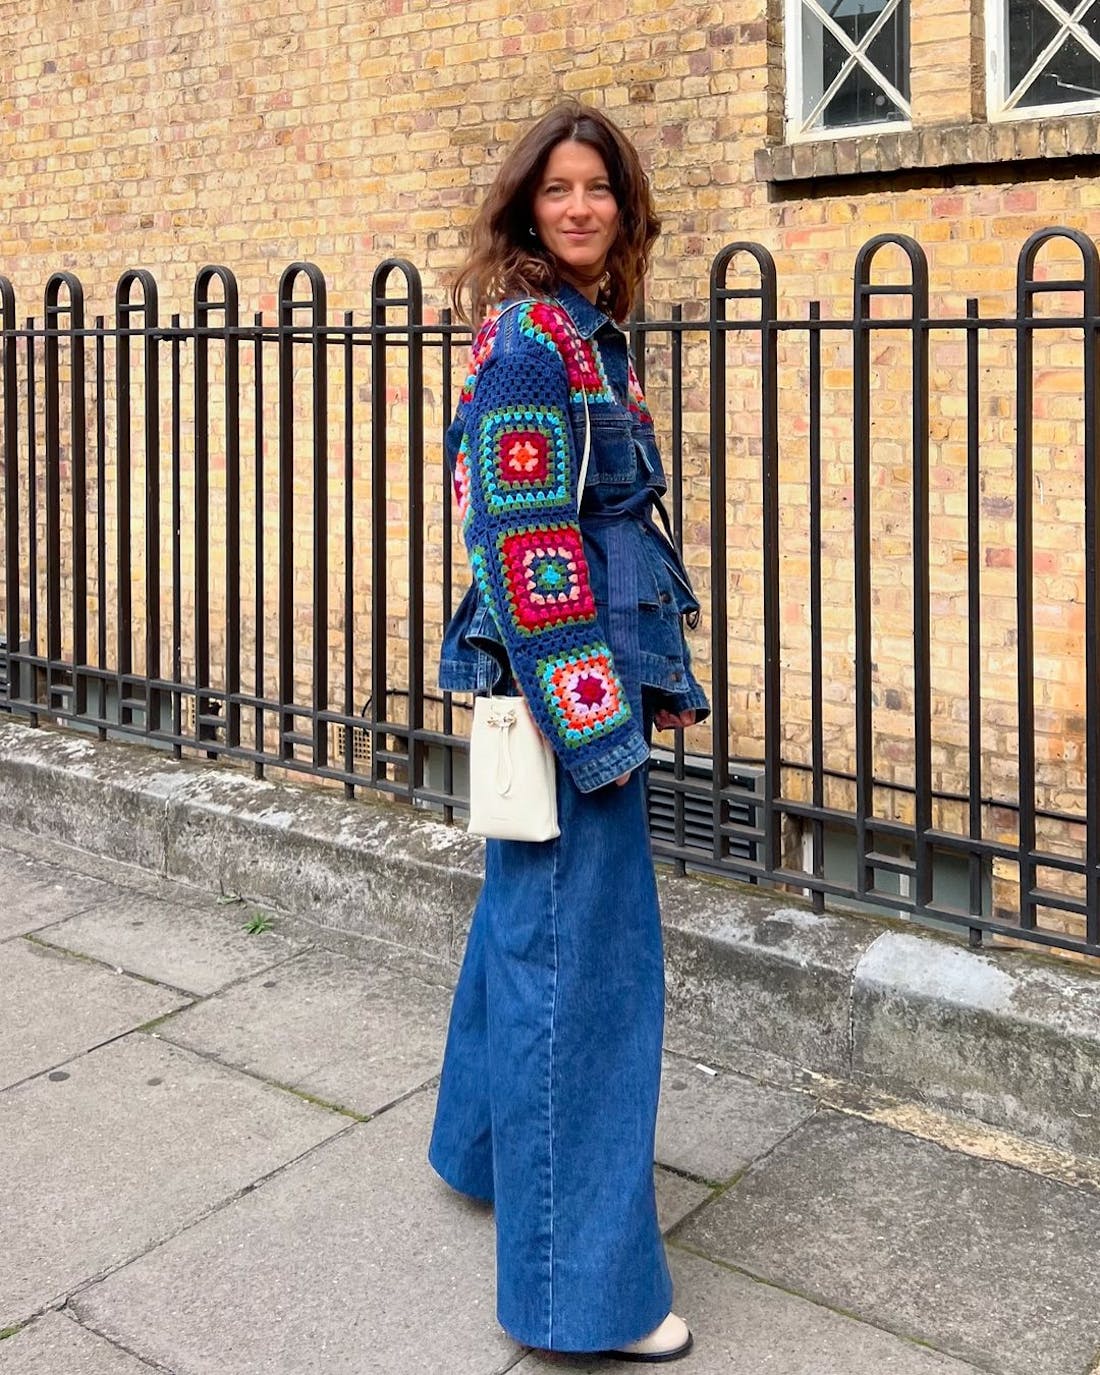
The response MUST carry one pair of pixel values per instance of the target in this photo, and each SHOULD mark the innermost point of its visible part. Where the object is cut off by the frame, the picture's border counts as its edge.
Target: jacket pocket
(614, 456)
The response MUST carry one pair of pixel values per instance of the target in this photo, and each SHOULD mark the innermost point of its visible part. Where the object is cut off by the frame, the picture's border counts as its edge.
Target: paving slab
(713, 1125)
(36, 894)
(57, 1345)
(337, 1028)
(743, 1327)
(982, 1260)
(99, 1005)
(125, 1146)
(356, 1259)
(199, 947)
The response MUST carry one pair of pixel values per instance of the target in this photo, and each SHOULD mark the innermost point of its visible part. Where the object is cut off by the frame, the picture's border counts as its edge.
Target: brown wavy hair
(504, 260)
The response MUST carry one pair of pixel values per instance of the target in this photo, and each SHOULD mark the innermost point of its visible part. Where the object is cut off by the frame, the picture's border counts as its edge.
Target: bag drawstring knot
(504, 720)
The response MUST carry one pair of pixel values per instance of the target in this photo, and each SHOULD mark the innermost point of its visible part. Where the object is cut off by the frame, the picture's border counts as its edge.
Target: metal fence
(233, 538)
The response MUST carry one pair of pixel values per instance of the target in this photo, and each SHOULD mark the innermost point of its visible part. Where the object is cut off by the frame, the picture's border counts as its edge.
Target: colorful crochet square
(546, 578)
(523, 455)
(551, 326)
(481, 349)
(462, 480)
(523, 458)
(635, 398)
(584, 694)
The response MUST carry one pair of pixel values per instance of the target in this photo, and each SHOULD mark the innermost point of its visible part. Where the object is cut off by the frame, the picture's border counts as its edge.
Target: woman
(548, 1098)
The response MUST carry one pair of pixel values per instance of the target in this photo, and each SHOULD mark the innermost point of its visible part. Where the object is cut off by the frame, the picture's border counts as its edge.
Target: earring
(533, 232)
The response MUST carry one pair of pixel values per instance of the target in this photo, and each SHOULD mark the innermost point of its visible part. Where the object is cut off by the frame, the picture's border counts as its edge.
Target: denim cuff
(692, 698)
(597, 773)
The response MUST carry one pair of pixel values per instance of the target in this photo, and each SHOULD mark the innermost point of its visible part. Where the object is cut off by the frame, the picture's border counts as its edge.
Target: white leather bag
(513, 774)
(513, 783)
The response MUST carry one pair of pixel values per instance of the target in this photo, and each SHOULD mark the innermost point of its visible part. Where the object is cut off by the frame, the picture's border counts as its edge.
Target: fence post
(125, 310)
(204, 309)
(12, 590)
(1027, 289)
(917, 292)
(766, 295)
(412, 302)
(54, 310)
(317, 306)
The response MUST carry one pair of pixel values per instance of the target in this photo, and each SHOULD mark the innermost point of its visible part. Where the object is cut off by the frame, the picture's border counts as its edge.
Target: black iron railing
(234, 538)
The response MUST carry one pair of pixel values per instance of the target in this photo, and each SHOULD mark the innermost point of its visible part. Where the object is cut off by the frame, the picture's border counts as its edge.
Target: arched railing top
(7, 304)
(766, 293)
(73, 307)
(147, 305)
(316, 303)
(1027, 286)
(412, 299)
(866, 289)
(230, 302)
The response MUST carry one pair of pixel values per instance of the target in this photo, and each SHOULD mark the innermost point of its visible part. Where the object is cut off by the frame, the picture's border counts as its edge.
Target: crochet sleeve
(517, 472)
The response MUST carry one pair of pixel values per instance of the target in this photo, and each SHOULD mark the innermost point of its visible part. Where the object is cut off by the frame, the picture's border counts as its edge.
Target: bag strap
(583, 476)
(587, 450)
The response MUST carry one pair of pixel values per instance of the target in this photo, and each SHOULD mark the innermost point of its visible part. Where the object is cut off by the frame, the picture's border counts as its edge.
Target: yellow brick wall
(257, 132)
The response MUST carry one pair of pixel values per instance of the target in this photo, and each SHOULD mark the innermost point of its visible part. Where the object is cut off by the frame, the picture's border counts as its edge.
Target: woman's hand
(671, 720)
(665, 720)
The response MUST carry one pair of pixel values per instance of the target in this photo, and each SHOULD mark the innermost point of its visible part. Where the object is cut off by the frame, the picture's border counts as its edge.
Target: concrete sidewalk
(212, 1146)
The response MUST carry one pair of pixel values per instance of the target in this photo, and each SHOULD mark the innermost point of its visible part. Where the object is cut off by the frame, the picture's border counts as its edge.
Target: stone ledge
(1007, 1037)
(932, 146)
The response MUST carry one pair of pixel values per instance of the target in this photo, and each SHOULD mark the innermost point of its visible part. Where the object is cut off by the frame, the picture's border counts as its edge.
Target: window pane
(889, 51)
(1031, 26)
(860, 98)
(1072, 74)
(822, 59)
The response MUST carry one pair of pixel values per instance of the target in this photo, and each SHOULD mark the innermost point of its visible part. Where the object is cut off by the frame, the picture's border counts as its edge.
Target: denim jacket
(585, 613)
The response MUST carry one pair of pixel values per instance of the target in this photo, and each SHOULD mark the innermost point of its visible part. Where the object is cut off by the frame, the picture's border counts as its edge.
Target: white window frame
(799, 129)
(1000, 102)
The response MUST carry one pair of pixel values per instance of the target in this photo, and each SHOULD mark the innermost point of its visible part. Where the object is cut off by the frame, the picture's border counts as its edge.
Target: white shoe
(668, 1342)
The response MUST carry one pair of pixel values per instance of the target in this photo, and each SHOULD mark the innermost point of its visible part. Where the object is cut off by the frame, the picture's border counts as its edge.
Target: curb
(1008, 1037)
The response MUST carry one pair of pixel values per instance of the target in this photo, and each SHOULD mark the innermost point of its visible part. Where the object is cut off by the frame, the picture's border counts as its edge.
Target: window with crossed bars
(1043, 57)
(847, 66)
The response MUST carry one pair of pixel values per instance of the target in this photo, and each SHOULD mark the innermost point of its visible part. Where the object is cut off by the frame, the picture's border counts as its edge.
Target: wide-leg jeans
(548, 1099)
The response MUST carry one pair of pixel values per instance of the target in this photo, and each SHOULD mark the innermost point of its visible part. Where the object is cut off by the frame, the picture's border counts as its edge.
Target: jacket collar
(587, 318)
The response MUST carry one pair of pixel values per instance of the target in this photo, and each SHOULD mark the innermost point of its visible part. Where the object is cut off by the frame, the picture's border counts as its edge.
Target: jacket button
(666, 597)
(677, 677)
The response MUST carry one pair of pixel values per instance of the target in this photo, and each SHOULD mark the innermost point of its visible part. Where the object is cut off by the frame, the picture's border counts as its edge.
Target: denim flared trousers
(548, 1099)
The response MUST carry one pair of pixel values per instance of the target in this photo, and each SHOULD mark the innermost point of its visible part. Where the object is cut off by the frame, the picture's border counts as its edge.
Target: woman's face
(576, 217)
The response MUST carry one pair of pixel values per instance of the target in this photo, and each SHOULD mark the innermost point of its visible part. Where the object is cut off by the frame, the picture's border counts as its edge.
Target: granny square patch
(546, 577)
(552, 327)
(523, 458)
(584, 694)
